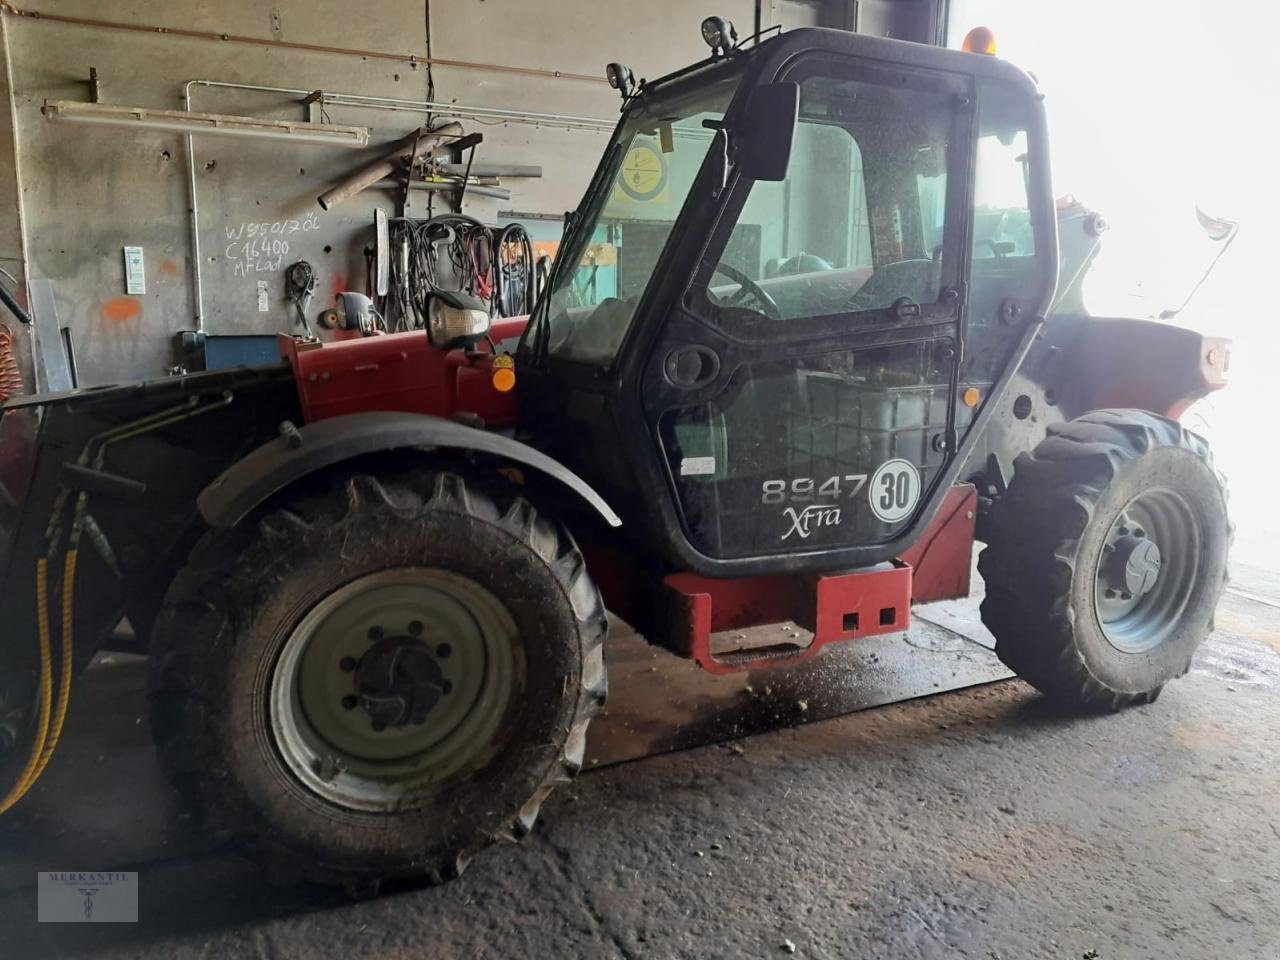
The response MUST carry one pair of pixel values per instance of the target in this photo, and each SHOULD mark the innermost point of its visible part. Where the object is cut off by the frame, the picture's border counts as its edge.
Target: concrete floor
(981, 823)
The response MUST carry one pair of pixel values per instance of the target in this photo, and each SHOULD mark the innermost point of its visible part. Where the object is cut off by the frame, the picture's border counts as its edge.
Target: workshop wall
(88, 191)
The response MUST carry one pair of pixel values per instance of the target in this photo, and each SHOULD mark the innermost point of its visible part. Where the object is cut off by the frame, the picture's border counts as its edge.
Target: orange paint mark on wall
(339, 284)
(169, 267)
(121, 309)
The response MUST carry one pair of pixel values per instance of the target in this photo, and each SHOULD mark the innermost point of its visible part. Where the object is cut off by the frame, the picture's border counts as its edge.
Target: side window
(1005, 268)
(859, 220)
(932, 189)
(1001, 216)
(806, 238)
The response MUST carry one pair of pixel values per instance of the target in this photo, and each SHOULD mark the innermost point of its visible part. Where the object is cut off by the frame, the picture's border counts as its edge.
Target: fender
(301, 451)
(1143, 364)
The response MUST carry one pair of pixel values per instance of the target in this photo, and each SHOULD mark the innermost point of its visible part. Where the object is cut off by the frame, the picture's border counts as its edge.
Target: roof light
(719, 33)
(621, 78)
(980, 40)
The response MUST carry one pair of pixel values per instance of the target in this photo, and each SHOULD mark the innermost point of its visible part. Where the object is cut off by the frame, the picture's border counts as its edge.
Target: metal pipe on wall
(348, 100)
(193, 212)
(465, 111)
(481, 190)
(386, 165)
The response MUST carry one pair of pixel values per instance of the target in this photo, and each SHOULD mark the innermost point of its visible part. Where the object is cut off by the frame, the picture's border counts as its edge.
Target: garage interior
(231, 194)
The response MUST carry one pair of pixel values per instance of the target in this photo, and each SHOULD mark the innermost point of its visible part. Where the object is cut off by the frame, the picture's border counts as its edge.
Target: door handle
(691, 366)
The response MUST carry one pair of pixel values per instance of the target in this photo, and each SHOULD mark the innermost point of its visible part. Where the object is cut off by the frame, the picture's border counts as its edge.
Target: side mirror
(1219, 230)
(768, 130)
(1216, 228)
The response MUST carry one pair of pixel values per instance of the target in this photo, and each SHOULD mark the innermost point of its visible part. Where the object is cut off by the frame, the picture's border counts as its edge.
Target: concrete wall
(87, 191)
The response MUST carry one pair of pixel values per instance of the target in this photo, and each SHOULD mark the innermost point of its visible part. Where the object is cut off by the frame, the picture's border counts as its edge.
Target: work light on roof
(719, 34)
(621, 78)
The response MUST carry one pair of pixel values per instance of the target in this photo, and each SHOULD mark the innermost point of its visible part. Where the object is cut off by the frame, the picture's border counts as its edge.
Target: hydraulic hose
(64, 683)
(48, 734)
(51, 717)
(28, 775)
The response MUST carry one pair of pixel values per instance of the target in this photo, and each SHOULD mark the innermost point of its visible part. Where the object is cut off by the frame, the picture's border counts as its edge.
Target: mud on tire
(230, 612)
(1048, 535)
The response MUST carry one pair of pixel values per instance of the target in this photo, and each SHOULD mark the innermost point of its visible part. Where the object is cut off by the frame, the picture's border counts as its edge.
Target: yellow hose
(64, 684)
(29, 772)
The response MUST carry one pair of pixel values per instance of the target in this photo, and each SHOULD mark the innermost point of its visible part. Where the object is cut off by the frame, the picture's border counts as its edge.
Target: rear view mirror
(768, 130)
(1221, 231)
(1216, 228)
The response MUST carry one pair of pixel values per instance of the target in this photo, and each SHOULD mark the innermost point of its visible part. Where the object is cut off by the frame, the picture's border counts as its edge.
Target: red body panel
(399, 371)
(833, 607)
(942, 558)
(1141, 364)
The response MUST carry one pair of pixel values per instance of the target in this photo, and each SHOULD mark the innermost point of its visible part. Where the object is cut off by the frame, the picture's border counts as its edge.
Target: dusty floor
(974, 824)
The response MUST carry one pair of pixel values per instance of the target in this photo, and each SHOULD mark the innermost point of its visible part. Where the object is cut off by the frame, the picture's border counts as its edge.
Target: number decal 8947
(806, 489)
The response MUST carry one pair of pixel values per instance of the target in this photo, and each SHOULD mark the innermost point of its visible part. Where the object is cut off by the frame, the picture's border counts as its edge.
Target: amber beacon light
(980, 40)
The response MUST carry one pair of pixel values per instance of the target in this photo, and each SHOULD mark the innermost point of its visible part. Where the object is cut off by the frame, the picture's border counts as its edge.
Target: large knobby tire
(1076, 604)
(249, 650)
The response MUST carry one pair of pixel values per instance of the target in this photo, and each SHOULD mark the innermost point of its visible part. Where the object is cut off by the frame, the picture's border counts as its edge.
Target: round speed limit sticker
(894, 490)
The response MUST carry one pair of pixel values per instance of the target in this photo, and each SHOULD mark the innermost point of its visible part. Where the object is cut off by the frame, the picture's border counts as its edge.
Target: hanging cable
(514, 272)
(452, 253)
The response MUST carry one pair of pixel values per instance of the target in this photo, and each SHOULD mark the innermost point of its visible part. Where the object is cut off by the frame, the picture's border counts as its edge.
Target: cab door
(801, 394)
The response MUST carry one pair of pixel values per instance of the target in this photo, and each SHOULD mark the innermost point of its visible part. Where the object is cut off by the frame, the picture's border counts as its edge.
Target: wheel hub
(1146, 568)
(1134, 566)
(398, 682)
(391, 683)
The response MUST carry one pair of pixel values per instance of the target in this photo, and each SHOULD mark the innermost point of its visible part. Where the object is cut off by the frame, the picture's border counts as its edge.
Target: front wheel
(1106, 558)
(380, 677)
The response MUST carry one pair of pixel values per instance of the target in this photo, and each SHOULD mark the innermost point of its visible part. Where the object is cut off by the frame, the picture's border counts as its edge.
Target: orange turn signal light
(980, 40)
(971, 396)
(503, 377)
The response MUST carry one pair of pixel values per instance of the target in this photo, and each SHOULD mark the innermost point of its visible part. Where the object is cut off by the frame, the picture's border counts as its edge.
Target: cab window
(858, 222)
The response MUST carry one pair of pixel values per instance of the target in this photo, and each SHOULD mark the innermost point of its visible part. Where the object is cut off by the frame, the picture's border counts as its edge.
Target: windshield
(610, 252)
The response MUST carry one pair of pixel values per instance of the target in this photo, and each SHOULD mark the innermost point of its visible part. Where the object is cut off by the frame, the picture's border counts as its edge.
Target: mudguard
(301, 451)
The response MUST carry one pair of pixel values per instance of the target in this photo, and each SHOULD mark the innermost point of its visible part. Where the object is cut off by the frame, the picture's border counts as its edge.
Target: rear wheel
(379, 678)
(1106, 558)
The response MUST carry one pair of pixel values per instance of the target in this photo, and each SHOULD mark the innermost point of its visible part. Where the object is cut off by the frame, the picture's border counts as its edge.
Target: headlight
(456, 319)
(620, 77)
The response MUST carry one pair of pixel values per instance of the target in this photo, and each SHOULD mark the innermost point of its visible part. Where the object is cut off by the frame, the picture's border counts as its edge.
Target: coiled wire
(454, 252)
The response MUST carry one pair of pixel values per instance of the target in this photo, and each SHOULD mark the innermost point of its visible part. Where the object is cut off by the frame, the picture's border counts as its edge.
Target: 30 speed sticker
(893, 490)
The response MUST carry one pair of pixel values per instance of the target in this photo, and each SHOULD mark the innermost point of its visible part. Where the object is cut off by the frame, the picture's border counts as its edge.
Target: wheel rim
(1146, 569)
(393, 683)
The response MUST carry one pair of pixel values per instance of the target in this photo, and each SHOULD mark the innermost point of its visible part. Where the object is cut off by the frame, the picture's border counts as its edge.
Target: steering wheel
(889, 279)
(749, 288)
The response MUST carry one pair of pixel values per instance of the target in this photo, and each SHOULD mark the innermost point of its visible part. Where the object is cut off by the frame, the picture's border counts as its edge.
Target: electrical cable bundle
(454, 252)
(515, 285)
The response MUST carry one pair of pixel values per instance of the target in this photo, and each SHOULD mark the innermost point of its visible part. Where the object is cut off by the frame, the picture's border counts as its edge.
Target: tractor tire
(378, 677)
(1106, 558)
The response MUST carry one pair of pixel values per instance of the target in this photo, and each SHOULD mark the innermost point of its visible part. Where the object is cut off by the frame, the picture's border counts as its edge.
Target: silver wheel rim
(1146, 569)
(320, 705)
